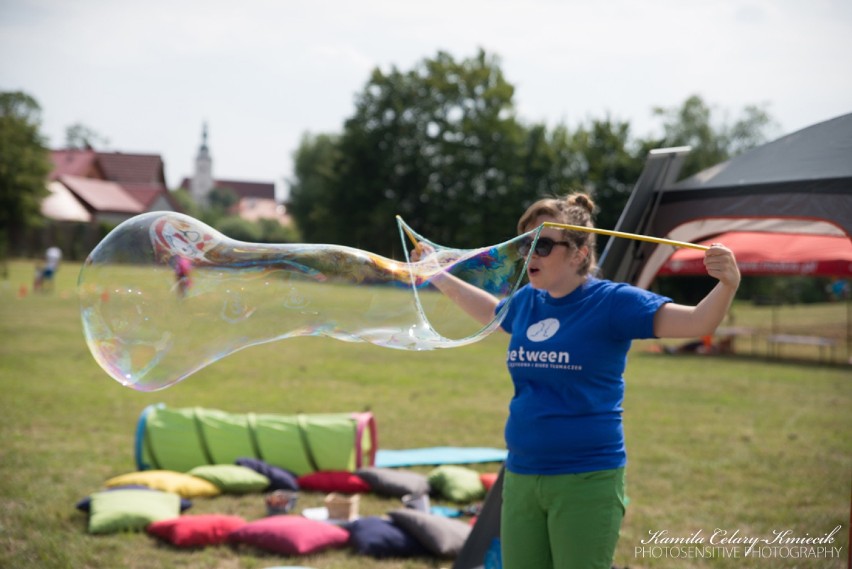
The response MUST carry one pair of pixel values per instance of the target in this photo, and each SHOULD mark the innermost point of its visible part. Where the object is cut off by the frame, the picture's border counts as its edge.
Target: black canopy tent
(799, 184)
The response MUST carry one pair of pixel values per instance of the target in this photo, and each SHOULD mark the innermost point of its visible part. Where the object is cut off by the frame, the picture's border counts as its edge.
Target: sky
(147, 75)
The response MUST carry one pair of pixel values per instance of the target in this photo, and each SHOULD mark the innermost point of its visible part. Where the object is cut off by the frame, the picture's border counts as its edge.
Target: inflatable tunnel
(181, 439)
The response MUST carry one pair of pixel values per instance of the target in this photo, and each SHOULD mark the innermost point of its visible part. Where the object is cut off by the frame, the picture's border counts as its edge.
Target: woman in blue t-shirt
(563, 492)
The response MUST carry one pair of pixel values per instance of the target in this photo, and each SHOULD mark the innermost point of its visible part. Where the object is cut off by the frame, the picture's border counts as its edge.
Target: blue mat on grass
(438, 456)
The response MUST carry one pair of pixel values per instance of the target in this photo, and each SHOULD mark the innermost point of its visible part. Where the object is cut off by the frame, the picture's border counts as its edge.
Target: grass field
(740, 444)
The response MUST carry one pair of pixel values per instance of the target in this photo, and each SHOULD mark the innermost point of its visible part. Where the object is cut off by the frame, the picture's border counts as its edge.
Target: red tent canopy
(772, 254)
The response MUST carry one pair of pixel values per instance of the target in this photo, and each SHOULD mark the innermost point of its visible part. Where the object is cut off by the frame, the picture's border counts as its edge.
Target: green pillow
(232, 478)
(456, 483)
(130, 510)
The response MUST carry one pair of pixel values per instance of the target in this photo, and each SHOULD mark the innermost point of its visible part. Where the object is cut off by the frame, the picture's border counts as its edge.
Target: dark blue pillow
(380, 538)
(279, 479)
(84, 504)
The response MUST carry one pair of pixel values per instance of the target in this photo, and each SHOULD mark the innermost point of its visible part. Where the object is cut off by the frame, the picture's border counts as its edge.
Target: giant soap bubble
(164, 295)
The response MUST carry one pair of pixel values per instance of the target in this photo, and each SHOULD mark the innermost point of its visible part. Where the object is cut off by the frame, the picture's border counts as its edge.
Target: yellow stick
(609, 232)
(627, 235)
(407, 232)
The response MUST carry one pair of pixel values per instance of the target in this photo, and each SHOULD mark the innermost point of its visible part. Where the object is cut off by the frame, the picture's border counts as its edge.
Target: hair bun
(581, 200)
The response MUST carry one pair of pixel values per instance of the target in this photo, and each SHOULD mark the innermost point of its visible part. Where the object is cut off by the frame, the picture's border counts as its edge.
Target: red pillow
(195, 531)
(334, 481)
(290, 535)
(488, 479)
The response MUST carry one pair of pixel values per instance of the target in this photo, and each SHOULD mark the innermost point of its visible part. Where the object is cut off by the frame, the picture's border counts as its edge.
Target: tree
(610, 164)
(79, 136)
(271, 231)
(240, 229)
(219, 203)
(24, 165)
(186, 203)
(315, 174)
(439, 145)
(222, 198)
(691, 125)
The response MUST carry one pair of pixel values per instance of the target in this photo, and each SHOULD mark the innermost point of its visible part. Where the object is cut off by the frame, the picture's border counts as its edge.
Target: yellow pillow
(184, 485)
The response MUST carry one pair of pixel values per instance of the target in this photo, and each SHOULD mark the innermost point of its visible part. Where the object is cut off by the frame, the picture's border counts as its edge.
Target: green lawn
(736, 444)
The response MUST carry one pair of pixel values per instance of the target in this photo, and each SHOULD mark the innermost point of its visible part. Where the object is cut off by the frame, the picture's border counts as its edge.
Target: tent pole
(848, 329)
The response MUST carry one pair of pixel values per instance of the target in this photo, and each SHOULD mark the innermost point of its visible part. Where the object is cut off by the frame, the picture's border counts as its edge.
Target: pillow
(380, 538)
(178, 483)
(232, 478)
(456, 483)
(84, 504)
(279, 478)
(196, 531)
(333, 481)
(394, 483)
(488, 479)
(130, 510)
(443, 537)
(290, 535)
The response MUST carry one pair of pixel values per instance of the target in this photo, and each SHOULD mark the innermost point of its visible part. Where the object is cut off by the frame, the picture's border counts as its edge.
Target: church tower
(202, 180)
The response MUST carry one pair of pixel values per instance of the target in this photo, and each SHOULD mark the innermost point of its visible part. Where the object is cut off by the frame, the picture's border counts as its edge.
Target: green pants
(565, 521)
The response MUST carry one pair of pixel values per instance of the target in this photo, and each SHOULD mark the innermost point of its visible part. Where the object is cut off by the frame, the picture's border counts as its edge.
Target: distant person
(46, 272)
(563, 491)
(839, 289)
(183, 273)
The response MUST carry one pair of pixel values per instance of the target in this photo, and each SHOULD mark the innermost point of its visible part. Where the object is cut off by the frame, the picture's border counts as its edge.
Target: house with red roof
(108, 186)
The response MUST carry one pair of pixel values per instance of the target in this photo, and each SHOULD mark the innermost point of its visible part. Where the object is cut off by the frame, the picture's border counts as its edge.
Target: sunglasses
(543, 246)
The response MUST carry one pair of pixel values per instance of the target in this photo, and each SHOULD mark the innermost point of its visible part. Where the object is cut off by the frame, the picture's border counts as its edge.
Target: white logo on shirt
(541, 331)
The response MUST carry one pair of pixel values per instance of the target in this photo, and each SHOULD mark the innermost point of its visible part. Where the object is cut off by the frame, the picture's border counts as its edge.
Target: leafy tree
(272, 231)
(311, 200)
(24, 165)
(219, 202)
(551, 165)
(186, 202)
(610, 163)
(240, 229)
(222, 198)
(691, 125)
(439, 145)
(81, 137)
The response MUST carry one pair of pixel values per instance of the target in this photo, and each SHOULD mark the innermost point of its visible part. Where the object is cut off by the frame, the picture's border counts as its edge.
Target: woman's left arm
(681, 321)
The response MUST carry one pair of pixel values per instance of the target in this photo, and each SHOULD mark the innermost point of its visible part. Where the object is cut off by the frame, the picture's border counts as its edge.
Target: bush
(240, 229)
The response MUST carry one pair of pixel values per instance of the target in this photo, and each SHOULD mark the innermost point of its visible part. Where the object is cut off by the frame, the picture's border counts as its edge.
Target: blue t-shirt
(566, 358)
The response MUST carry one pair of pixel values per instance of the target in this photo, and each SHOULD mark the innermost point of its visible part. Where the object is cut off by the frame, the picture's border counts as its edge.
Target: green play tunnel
(181, 439)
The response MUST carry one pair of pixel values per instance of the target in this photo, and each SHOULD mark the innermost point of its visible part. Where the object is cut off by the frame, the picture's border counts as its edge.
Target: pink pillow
(334, 481)
(290, 535)
(488, 479)
(196, 531)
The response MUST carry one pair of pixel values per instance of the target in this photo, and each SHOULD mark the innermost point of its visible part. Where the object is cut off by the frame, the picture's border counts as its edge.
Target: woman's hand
(722, 265)
(681, 321)
(476, 302)
(421, 250)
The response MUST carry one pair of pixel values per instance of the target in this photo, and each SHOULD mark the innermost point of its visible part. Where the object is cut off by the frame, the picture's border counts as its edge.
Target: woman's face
(557, 272)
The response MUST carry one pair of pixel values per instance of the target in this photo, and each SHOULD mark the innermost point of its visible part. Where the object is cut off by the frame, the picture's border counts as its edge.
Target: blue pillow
(279, 479)
(86, 503)
(380, 538)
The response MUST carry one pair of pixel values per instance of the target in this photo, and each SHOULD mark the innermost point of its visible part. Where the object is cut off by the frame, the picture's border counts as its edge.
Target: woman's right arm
(477, 303)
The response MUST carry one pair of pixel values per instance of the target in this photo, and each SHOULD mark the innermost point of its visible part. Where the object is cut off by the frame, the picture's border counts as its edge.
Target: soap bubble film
(164, 295)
